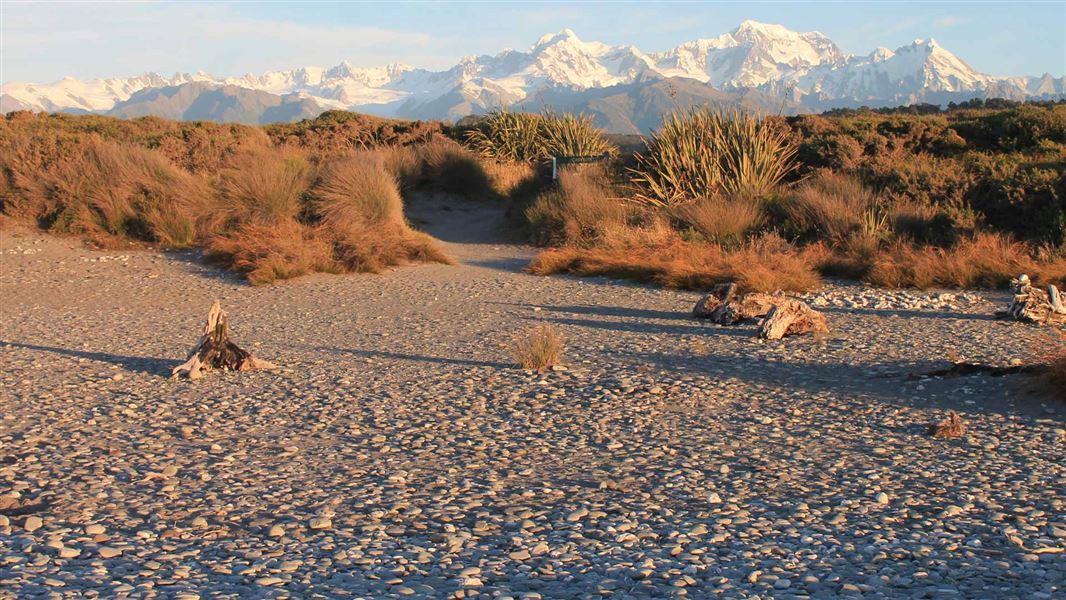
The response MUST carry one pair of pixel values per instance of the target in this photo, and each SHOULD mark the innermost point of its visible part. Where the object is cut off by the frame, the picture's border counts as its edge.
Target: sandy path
(672, 458)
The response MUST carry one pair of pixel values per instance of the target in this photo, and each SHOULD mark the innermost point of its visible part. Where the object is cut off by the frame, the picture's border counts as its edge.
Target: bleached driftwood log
(1035, 305)
(791, 317)
(723, 306)
(951, 428)
(216, 351)
(719, 296)
(784, 315)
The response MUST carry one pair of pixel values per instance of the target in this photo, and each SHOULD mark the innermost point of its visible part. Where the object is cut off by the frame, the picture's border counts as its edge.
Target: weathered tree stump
(951, 428)
(1035, 305)
(789, 316)
(719, 295)
(216, 351)
(723, 307)
(783, 315)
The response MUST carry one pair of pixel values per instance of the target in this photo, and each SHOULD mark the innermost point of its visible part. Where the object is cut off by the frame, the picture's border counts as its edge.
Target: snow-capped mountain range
(807, 69)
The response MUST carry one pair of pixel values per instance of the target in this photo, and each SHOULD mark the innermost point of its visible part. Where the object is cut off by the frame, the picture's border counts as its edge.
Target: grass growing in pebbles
(540, 348)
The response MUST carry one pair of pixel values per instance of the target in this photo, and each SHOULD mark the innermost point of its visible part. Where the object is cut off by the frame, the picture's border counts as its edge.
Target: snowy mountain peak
(765, 57)
(565, 35)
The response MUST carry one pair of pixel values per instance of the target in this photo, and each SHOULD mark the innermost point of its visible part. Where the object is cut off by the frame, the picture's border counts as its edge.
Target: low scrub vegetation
(920, 198)
(895, 200)
(540, 349)
(269, 211)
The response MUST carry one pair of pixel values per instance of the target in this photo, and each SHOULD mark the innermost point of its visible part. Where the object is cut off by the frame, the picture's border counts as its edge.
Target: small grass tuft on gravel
(539, 349)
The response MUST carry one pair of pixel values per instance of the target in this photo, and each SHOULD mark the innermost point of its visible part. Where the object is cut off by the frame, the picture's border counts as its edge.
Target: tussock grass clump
(110, 193)
(582, 210)
(721, 220)
(835, 207)
(264, 186)
(984, 260)
(453, 169)
(505, 178)
(358, 204)
(539, 349)
(265, 253)
(703, 152)
(356, 190)
(764, 265)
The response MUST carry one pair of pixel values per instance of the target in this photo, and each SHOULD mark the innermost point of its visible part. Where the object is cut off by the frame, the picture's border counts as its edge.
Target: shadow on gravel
(858, 382)
(139, 364)
(653, 328)
(608, 311)
(919, 314)
(509, 265)
(419, 358)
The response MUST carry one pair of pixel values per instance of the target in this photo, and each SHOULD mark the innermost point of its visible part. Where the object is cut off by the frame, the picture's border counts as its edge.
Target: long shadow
(418, 357)
(139, 364)
(842, 379)
(509, 265)
(608, 311)
(653, 328)
(920, 314)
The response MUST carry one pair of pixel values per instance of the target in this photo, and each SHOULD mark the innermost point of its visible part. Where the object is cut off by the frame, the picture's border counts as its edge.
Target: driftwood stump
(216, 351)
(719, 296)
(791, 317)
(723, 307)
(951, 428)
(784, 315)
(1035, 305)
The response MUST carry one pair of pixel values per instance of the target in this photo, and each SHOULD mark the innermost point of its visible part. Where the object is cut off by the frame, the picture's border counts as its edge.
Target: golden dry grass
(719, 219)
(584, 209)
(264, 186)
(506, 177)
(984, 260)
(834, 207)
(539, 348)
(265, 253)
(764, 265)
(358, 204)
(108, 192)
(453, 169)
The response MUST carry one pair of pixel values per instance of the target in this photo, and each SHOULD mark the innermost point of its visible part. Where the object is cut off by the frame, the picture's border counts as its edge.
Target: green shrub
(525, 137)
(703, 152)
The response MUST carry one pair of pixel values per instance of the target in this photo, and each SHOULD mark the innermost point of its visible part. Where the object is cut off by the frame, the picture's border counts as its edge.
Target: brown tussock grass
(110, 193)
(721, 219)
(265, 253)
(984, 260)
(764, 265)
(264, 186)
(833, 207)
(506, 177)
(454, 169)
(584, 209)
(358, 203)
(539, 349)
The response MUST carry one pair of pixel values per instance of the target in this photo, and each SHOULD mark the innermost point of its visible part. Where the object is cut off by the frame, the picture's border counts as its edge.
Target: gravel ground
(398, 453)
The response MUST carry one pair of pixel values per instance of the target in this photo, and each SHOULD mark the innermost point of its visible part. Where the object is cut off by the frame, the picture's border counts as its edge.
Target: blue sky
(44, 41)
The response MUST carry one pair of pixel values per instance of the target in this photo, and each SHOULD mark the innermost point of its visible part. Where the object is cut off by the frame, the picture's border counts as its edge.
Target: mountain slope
(638, 107)
(754, 60)
(200, 101)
